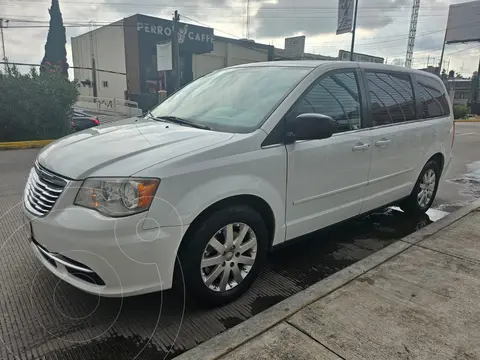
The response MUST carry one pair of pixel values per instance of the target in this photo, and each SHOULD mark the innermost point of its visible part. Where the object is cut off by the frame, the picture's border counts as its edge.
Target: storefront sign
(190, 37)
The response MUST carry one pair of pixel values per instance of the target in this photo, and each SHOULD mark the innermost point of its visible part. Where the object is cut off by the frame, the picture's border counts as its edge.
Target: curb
(24, 144)
(467, 121)
(237, 336)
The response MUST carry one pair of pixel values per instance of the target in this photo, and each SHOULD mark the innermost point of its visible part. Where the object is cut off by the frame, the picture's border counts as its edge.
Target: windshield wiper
(150, 115)
(177, 120)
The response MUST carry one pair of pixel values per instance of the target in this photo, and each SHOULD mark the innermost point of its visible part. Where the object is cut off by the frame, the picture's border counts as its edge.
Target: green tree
(35, 106)
(55, 58)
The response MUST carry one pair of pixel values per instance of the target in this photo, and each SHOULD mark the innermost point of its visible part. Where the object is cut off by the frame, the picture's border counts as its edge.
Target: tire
(198, 247)
(415, 204)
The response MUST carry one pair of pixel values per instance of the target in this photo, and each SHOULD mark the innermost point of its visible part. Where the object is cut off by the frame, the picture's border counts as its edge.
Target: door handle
(382, 143)
(360, 146)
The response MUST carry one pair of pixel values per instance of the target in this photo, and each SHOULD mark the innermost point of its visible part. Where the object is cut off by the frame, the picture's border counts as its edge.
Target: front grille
(42, 190)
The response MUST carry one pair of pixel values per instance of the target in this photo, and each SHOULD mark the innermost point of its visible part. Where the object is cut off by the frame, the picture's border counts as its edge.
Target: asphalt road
(44, 318)
(463, 180)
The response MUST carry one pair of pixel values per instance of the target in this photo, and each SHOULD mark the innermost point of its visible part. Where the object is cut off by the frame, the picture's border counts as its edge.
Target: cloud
(287, 17)
(382, 24)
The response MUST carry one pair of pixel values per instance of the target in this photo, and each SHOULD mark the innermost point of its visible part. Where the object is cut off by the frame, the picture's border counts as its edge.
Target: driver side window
(335, 95)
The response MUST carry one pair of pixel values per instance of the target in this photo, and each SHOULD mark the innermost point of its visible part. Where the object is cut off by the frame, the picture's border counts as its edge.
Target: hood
(123, 148)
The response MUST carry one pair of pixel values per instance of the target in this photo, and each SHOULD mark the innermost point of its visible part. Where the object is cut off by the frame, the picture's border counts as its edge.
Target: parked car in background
(233, 165)
(81, 120)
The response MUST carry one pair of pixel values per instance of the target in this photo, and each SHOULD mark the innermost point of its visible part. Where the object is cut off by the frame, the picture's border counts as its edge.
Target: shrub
(35, 106)
(460, 111)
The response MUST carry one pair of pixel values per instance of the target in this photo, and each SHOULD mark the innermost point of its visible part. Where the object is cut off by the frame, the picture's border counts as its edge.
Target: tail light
(95, 121)
(453, 135)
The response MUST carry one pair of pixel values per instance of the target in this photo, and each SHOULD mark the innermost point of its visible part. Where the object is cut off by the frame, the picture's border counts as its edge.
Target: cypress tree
(55, 48)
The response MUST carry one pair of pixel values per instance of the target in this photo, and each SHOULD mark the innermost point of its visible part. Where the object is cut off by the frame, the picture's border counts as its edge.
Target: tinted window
(337, 96)
(391, 97)
(432, 96)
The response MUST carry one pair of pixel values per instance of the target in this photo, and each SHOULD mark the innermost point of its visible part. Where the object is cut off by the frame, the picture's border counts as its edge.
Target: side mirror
(310, 126)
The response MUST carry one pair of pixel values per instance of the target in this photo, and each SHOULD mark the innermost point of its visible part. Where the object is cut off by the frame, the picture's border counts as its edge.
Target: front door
(327, 178)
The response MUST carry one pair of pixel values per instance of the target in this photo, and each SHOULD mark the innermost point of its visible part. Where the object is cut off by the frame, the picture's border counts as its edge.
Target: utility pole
(353, 30)
(412, 33)
(4, 24)
(94, 78)
(441, 56)
(176, 51)
(248, 19)
(94, 65)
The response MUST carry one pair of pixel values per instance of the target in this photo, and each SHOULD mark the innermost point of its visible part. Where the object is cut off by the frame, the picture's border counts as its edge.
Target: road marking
(469, 133)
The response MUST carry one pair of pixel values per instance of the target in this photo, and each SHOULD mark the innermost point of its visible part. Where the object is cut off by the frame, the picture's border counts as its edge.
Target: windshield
(234, 99)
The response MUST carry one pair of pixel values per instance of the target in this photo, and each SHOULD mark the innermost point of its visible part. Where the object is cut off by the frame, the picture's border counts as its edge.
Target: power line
(203, 24)
(174, 3)
(100, 22)
(309, 15)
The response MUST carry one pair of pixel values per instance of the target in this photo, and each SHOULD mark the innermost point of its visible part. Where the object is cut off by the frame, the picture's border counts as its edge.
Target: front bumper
(101, 255)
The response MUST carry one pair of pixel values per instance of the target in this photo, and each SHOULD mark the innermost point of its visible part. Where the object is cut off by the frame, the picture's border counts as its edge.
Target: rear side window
(391, 97)
(432, 97)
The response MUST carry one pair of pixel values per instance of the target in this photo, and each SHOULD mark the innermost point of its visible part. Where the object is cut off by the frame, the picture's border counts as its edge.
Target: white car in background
(232, 165)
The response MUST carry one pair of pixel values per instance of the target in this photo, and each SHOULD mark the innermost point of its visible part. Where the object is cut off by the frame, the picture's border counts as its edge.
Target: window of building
(336, 96)
(391, 97)
(105, 83)
(433, 98)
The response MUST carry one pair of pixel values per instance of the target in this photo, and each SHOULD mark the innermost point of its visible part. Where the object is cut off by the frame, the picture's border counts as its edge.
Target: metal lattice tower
(412, 33)
(248, 20)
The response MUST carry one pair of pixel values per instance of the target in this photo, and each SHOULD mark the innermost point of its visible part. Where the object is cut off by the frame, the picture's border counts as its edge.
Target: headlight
(117, 197)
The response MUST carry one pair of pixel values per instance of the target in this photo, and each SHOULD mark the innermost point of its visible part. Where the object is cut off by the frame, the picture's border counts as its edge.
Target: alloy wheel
(228, 257)
(426, 189)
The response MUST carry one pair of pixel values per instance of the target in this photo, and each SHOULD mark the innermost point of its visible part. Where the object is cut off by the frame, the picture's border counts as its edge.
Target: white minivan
(234, 164)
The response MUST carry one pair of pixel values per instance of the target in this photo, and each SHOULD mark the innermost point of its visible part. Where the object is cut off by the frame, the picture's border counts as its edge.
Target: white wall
(226, 54)
(108, 46)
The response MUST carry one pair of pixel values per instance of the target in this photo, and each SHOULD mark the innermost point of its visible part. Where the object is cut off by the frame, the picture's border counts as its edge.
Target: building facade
(127, 49)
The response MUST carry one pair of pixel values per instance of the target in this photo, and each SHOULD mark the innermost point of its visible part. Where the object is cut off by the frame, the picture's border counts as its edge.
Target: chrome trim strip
(37, 178)
(35, 206)
(34, 191)
(29, 207)
(41, 169)
(42, 190)
(63, 262)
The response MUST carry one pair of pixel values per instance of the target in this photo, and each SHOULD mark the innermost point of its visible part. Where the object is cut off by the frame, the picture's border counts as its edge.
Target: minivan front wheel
(223, 255)
(424, 191)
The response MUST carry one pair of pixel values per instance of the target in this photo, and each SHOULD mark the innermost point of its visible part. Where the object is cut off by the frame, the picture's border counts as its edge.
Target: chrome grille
(42, 190)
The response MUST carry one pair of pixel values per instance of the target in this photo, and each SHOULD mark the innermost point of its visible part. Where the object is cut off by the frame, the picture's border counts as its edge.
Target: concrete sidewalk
(416, 299)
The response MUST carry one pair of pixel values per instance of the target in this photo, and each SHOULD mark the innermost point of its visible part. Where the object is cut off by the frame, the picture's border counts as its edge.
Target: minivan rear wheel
(425, 189)
(223, 255)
